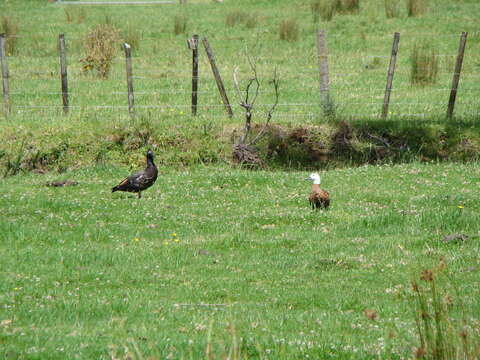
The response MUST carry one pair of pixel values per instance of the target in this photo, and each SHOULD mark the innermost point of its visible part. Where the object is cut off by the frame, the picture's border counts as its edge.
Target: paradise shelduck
(141, 180)
(318, 198)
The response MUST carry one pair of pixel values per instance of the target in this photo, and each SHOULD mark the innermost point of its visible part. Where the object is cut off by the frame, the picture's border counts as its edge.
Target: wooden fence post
(218, 79)
(5, 76)
(128, 60)
(63, 72)
(193, 45)
(391, 72)
(323, 66)
(456, 74)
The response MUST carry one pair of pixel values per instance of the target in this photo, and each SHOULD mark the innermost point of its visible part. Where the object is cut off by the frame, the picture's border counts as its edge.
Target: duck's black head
(150, 155)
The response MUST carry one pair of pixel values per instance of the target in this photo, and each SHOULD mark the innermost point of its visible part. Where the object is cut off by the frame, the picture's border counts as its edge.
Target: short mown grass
(211, 257)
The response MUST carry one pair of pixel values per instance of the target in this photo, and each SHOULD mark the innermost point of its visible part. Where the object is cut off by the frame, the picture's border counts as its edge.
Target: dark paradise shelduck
(318, 198)
(141, 180)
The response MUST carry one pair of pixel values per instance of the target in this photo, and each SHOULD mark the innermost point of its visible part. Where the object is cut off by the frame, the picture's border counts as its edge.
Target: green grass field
(86, 273)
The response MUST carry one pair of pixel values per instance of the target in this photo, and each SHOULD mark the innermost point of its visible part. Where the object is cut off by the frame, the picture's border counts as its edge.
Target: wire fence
(356, 83)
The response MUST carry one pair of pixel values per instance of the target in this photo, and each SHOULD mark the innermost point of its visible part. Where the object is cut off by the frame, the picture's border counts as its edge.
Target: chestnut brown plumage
(318, 198)
(141, 180)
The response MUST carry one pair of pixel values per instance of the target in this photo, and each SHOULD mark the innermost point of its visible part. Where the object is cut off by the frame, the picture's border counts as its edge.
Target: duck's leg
(139, 195)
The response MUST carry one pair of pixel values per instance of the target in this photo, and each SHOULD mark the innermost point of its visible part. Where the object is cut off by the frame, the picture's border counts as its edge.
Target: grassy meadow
(220, 259)
(216, 261)
(359, 46)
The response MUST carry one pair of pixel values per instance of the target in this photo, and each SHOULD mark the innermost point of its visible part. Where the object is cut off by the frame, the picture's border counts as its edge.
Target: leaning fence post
(5, 76)
(456, 74)
(323, 66)
(218, 79)
(193, 45)
(128, 60)
(63, 72)
(391, 72)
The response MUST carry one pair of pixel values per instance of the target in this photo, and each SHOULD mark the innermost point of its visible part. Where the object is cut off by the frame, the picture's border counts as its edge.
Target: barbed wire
(213, 91)
(317, 105)
(212, 36)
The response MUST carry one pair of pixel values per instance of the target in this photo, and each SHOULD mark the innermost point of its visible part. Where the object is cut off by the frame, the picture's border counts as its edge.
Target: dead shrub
(289, 30)
(9, 27)
(101, 46)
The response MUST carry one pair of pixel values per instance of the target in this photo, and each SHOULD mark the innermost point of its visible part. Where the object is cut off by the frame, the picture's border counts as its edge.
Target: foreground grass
(225, 254)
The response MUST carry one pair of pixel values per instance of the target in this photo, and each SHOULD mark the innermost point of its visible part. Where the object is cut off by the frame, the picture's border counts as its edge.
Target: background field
(217, 258)
(359, 46)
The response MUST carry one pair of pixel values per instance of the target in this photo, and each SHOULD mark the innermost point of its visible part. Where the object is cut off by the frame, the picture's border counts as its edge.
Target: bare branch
(253, 67)
(276, 84)
(236, 86)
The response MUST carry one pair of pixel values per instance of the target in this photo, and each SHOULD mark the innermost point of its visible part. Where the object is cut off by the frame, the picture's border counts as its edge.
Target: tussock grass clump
(391, 9)
(101, 46)
(9, 27)
(417, 7)
(180, 24)
(289, 30)
(424, 65)
(251, 21)
(323, 9)
(348, 6)
(326, 9)
(441, 336)
(132, 37)
(237, 17)
(71, 14)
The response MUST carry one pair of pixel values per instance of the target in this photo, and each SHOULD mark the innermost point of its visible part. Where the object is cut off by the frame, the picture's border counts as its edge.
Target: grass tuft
(132, 37)
(323, 9)
(417, 7)
(237, 17)
(180, 24)
(348, 6)
(289, 30)
(440, 333)
(9, 26)
(424, 65)
(391, 9)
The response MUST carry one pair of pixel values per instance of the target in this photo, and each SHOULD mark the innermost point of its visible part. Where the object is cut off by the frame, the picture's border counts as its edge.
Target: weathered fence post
(391, 72)
(128, 59)
(218, 79)
(63, 72)
(323, 67)
(456, 74)
(193, 45)
(5, 76)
